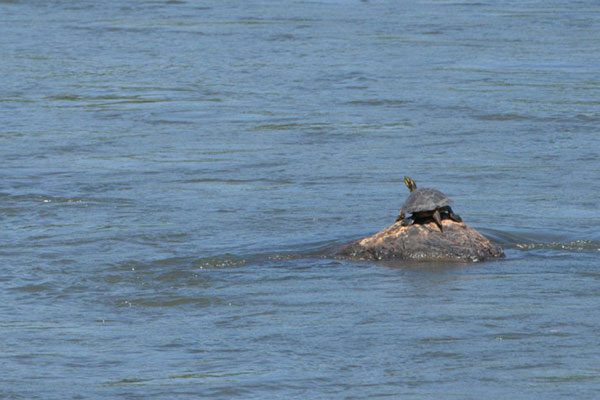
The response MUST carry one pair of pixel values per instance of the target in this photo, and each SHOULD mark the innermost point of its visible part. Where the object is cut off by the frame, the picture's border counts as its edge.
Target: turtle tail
(410, 184)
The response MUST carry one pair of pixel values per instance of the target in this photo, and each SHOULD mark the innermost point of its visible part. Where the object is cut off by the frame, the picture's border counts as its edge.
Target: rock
(458, 242)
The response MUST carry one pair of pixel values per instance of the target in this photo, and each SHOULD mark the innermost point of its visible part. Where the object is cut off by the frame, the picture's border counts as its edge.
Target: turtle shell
(426, 200)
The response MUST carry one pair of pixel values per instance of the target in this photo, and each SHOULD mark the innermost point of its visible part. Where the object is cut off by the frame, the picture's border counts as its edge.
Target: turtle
(426, 203)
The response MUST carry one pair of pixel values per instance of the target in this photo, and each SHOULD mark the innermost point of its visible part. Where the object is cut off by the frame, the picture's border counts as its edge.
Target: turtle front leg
(407, 221)
(402, 215)
(438, 219)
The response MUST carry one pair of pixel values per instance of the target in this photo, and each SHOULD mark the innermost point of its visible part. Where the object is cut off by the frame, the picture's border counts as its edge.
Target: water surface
(175, 173)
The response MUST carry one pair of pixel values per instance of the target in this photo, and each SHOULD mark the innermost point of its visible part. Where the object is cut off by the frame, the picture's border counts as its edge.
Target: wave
(580, 245)
(43, 198)
(532, 241)
(185, 270)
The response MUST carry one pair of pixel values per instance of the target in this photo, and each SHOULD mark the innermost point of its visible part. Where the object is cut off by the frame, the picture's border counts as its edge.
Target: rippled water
(175, 174)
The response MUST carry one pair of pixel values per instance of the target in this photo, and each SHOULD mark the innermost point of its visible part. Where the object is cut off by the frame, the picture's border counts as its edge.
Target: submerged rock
(457, 242)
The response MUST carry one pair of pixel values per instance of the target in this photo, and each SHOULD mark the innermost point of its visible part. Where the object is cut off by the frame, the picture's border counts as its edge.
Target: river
(174, 176)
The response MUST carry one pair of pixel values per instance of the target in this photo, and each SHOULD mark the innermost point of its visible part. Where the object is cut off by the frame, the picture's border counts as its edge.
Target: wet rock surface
(457, 242)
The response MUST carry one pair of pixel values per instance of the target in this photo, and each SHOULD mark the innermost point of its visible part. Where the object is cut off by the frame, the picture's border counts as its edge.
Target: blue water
(175, 175)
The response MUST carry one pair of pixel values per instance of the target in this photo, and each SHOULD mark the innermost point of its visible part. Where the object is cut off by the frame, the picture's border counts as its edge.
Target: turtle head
(410, 184)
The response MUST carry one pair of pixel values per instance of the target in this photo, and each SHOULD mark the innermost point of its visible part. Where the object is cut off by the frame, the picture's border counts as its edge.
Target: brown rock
(457, 242)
